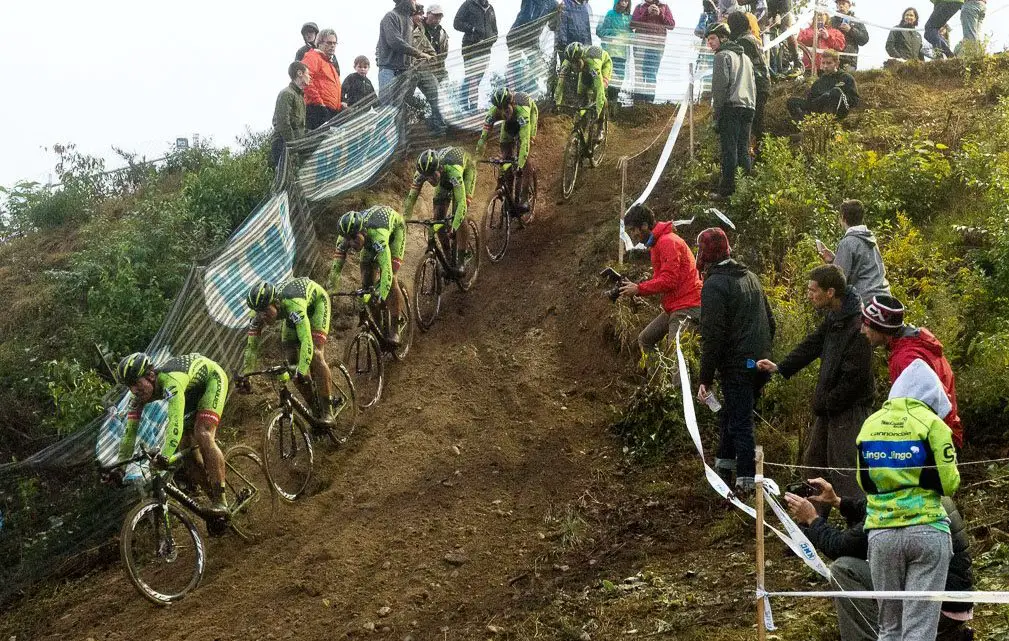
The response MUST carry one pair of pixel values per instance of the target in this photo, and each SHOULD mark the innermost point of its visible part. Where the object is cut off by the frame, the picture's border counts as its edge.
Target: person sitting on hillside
(904, 42)
(289, 112)
(357, 89)
(379, 233)
(858, 254)
(834, 92)
(304, 307)
(309, 33)
(587, 70)
(185, 382)
(855, 34)
(858, 619)
(674, 276)
(453, 173)
(324, 97)
(521, 119)
(883, 325)
(827, 38)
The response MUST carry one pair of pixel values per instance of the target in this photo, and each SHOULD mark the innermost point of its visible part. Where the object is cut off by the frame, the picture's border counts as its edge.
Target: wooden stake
(759, 505)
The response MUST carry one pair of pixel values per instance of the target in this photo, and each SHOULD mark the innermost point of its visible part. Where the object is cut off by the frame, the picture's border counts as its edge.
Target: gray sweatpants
(909, 559)
(665, 324)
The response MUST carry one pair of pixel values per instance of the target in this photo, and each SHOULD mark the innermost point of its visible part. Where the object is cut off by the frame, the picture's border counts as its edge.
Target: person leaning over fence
(828, 38)
(529, 11)
(740, 28)
(438, 37)
(357, 88)
(737, 329)
(834, 92)
(858, 619)
(650, 22)
(395, 51)
(674, 276)
(289, 112)
(324, 96)
(733, 99)
(309, 33)
(614, 32)
(883, 325)
(904, 42)
(751, 19)
(858, 254)
(844, 388)
(855, 34)
(906, 464)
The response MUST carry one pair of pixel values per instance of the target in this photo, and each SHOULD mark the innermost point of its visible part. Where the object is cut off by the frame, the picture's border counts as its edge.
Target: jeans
(834, 102)
(734, 133)
(665, 324)
(971, 17)
(647, 59)
(909, 559)
(941, 14)
(736, 444)
(856, 618)
(385, 78)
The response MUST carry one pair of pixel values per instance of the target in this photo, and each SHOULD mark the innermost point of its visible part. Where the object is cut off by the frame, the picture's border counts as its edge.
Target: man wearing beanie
(737, 328)
(883, 325)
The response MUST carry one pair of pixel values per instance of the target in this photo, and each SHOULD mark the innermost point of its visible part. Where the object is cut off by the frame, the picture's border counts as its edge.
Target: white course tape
(960, 597)
(791, 31)
(710, 210)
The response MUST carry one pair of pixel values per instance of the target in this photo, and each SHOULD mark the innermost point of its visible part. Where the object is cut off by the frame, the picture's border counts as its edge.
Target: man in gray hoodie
(733, 100)
(858, 254)
(395, 52)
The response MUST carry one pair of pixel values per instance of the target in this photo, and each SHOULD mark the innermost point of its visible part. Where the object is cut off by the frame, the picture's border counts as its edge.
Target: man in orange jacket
(323, 98)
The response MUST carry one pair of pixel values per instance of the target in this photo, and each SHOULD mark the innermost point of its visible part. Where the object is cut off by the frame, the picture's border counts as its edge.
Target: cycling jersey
(183, 381)
(458, 180)
(522, 125)
(385, 243)
(304, 306)
(593, 77)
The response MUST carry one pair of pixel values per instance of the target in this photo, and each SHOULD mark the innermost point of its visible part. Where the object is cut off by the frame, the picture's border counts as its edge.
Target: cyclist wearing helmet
(453, 173)
(521, 119)
(185, 382)
(379, 233)
(304, 307)
(589, 69)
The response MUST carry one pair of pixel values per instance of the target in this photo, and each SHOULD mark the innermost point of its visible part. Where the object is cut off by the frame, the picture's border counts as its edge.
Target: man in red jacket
(324, 97)
(883, 324)
(674, 275)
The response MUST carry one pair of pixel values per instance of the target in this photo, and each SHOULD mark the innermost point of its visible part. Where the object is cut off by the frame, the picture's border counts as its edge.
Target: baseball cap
(435, 9)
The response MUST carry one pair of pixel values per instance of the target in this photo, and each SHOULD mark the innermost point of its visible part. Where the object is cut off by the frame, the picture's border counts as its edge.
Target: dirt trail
(446, 502)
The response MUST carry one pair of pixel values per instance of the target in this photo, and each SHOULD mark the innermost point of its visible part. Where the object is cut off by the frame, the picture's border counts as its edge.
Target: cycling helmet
(132, 368)
(351, 224)
(261, 296)
(427, 163)
(719, 29)
(500, 97)
(309, 26)
(574, 51)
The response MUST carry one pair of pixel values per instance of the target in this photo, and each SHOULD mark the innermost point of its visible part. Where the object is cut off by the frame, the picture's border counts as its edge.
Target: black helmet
(261, 296)
(132, 368)
(500, 97)
(428, 163)
(309, 26)
(719, 29)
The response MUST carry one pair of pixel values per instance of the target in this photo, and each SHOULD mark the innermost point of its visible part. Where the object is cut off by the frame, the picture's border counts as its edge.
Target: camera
(803, 489)
(613, 276)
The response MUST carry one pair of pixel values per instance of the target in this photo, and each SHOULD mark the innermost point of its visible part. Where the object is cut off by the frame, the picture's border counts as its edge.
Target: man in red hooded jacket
(674, 275)
(883, 324)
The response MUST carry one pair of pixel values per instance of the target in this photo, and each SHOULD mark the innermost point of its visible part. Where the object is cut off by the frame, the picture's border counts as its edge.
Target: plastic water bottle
(712, 402)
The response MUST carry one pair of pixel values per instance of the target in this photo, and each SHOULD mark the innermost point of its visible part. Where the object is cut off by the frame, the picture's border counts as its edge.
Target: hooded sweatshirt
(905, 45)
(615, 32)
(574, 24)
(919, 343)
(859, 258)
(732, 81)
(674, 272)
(395, 39)
(906, 458)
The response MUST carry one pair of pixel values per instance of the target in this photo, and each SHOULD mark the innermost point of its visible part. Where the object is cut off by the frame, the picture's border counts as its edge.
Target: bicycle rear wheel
(162, 551)
(406, 325)
(250, 493)
(470, 257)
(344, 403)
(364, 361)
(572, 163)
(599, 149)
(497, 228)
(427, 291)
(288, 455)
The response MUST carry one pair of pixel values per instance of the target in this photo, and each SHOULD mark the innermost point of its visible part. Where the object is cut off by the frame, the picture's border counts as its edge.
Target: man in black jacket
(478, 24)
(855, 34)
(848, 547)
(736, 330)
(833, 92)
(309, 32)
(844, 391)
(395, 52)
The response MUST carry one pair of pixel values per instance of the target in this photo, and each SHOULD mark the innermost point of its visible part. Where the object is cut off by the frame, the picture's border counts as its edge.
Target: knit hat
(712, 247)
(884, 314)
(919, 382)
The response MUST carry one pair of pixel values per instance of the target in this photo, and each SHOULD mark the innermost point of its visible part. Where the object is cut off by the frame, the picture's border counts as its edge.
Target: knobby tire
(363, 359)
(288, 455)
(249, 492)
(427, 286)
(497, 228)
(151, 563)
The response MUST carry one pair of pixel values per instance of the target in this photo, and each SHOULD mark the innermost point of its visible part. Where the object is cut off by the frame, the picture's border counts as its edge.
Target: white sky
(140, 74)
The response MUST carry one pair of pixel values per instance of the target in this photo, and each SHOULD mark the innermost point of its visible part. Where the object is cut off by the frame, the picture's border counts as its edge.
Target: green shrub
(75, 393)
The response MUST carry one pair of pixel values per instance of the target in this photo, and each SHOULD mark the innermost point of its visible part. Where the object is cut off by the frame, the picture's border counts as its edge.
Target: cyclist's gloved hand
(243, 384)
(302, 379)
(160, 462)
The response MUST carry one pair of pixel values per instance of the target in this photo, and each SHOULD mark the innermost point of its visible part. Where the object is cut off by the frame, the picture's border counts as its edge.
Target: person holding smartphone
(858, 254)
(855, 34)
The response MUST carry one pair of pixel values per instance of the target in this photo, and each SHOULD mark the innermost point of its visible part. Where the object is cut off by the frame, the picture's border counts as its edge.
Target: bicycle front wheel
(572, 163)
(162, 551)
(288, 455)
(470, 257)
(364, 361)
(406, 324)
(344, 403)
(250, 493)
(427, 291)
(602, 131)
(497, 229)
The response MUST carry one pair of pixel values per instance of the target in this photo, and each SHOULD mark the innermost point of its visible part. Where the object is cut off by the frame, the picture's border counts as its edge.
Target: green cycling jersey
(457, 180)
(593, 71)
(303, 304)
(183, 381)
(385, 242)
(522, 125)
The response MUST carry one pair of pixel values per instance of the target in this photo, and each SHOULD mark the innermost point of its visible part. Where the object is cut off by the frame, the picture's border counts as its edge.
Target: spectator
(779, 12)
(855, 34)
(844, 390)
(438, 37)
(574, 24)
(971, 17)
(424, 75)
(756, 7)
(674, 275)
(323, 97)
(904, 43)
(529, 11)
(732, 6)
(357, 89)
(709, 16)
(741, 35)
(834, 92)
(649, 22)
(941, 13)
(309, 33)
(395, 51)
(289, 112)
(906, 464)
(736, 329)
(478, 24)
(858, 619)
(827, 38)
(733, 99)
(858, 254)
(615, 33)
(883, 324)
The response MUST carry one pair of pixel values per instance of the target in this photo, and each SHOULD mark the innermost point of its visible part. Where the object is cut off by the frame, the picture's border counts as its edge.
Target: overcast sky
(138, 75)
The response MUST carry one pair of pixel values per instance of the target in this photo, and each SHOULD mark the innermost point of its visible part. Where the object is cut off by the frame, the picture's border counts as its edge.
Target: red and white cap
(884, 314)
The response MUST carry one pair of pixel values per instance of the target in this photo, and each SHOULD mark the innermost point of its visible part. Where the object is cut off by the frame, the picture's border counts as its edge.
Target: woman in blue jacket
(615, 33)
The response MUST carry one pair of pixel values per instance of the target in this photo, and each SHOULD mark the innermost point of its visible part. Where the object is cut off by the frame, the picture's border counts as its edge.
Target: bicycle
(503, 207)
(288, 453)
(438, 265)
(586, 142)
(159, 540)
(366, 352)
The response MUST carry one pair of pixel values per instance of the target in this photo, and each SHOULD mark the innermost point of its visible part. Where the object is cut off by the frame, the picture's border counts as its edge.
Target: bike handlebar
(276, 370)
(434, 222)
(143, 455)
(358, 292)
(499, 161)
